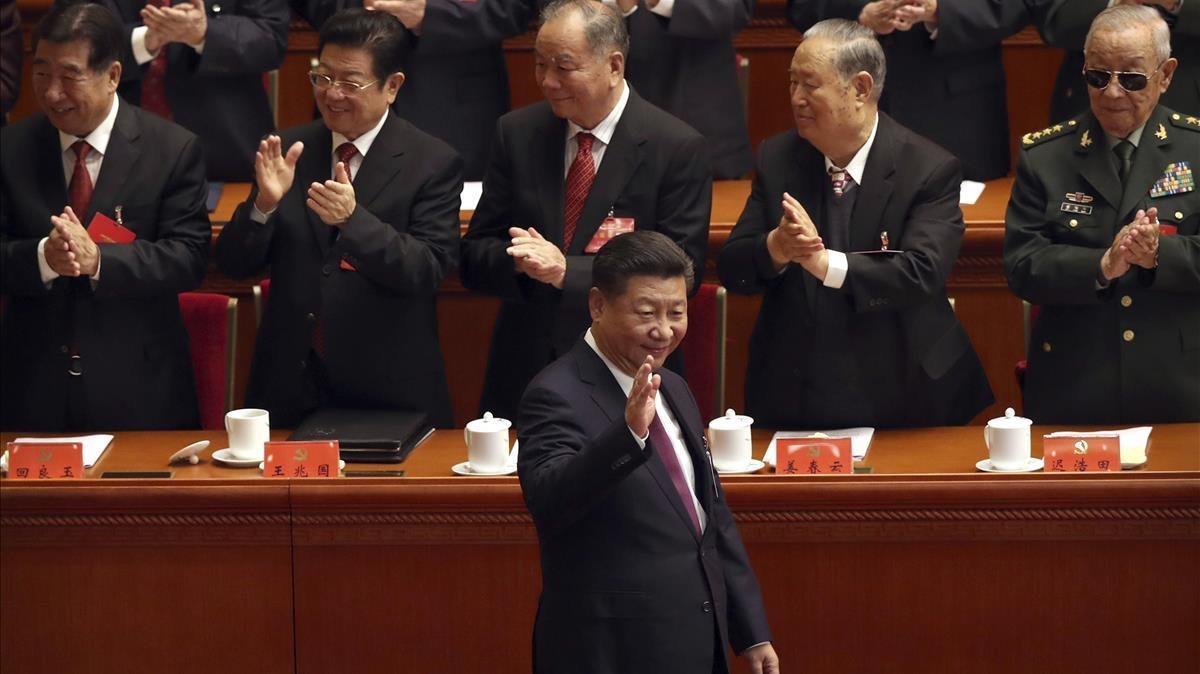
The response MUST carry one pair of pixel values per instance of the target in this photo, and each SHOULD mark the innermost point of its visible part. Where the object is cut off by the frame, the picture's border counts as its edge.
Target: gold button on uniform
(1046, 347)
(1073, 223)
(1126, 301)
(1127, 335)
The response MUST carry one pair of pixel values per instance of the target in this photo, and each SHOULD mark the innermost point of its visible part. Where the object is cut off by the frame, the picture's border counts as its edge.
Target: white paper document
(93, 445)
(470, 195)
(860, 440)
(970, 191)
(1133, 441)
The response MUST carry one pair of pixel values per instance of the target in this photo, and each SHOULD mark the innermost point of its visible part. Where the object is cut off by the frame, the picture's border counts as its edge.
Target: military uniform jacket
(1129, 353)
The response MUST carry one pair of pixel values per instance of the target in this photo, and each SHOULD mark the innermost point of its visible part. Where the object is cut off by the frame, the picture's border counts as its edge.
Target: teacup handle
(226, 424)
(467, 437)
(987, 437)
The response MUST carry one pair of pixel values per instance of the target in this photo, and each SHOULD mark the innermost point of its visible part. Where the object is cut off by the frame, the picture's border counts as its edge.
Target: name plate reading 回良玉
(814, 456)
(1081, 454)
(45, 460)
(301, 459)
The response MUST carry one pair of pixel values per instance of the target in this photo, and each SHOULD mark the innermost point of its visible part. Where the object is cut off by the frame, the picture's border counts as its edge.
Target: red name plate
(104, 230)
(45, 460)
(814, 456)
(609, 229)
(1081, 454)
(301, 459)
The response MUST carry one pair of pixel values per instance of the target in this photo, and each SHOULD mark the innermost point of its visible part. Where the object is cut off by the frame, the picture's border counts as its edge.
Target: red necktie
(154, 81)
(666, 451)
(79, 192)
(345, 152)
(579, 183)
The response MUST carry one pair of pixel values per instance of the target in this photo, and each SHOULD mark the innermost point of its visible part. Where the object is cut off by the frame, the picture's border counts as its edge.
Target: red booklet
(105, 230)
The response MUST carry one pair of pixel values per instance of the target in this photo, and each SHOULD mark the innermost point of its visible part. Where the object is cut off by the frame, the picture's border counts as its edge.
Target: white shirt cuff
(640, 441)
(258, 216)
(613, 4)
(99, 258)
(138, 41)
(198, 47)
(664, 8)
(48, 274)
(835, 276)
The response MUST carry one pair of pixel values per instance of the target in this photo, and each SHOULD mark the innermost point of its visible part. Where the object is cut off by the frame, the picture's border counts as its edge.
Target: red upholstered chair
(262, 291)
(1029, 314)
(211, 323)
(704, 349)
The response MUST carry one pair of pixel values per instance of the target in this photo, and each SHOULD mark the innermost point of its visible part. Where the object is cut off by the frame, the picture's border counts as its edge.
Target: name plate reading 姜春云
(45, 460)
(814, 456)
(302, 459)
(1081, 454)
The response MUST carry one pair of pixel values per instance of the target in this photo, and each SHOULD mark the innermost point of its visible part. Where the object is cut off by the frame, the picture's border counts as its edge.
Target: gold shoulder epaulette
(1185, 121)
(1035, 137)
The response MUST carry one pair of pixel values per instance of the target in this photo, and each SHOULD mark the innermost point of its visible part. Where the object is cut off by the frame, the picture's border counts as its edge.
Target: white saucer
(1033, 465)
(464, 468)
(226, 457)
(753, 467)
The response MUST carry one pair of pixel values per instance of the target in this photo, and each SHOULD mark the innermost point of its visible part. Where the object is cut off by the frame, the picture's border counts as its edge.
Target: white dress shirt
(98, 139)
(603, 133)
(838, 266)
(137, 41)
(674, 431)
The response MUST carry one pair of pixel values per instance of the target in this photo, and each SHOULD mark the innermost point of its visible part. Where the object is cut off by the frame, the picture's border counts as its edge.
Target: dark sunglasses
(1129, 81)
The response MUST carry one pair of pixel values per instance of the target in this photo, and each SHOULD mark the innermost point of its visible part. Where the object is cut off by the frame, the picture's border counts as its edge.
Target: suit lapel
(314, 167)
(382, 161)
(621, 159)
(866, 220)
(120, 157)
(49, 170)
(693, 432)
(1098, 168)
(1148, 163)
(550, 143)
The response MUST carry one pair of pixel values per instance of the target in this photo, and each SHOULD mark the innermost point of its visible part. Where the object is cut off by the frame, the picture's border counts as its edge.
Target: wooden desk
(922, 566)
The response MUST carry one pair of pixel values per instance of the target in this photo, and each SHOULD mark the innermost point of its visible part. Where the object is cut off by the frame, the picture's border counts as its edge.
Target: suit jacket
(127, 330)
(627, 583)
(218, 95)
(1065, 24)
(1129, 353)
(922, 368)
(951, 89)
(656, 171)
(686, 65)
(378, 323)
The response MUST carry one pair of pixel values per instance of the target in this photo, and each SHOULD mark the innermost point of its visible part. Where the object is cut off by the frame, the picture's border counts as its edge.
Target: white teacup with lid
(487, 444)
(730, 438)
(1008, 442)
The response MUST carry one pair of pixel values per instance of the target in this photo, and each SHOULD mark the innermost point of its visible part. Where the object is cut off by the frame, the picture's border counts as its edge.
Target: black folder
(367, 436)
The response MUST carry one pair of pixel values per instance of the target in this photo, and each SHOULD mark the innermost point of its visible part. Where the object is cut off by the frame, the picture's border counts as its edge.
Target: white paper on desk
(860, 440)
(470, 195)
(970, 191)
(1133, 441)
(93, 445)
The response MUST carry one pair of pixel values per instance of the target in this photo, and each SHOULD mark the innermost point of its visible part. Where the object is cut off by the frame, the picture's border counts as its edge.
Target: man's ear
(595, 304)
(864, 86)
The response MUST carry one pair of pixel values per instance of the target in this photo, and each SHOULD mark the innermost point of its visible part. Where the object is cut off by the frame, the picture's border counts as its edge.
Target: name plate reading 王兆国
(814, 456)
(301, 459)
(1081, 454)
(45, 460)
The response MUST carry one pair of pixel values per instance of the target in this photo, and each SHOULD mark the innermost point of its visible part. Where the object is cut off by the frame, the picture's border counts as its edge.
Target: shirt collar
(604, 130)
(1134, 136)
(99, 136)
(623, 380)
(858, 165)
(364, 141)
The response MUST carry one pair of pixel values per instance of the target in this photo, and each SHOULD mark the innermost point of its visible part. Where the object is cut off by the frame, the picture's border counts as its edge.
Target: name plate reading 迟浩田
(301, 459)
(1081, 454)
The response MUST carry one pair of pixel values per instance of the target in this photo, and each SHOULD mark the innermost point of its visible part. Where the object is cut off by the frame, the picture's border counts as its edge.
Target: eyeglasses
(1129, 81)
(322, 82)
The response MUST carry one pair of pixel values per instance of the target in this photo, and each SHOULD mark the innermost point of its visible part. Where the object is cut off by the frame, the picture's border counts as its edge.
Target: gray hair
(857, 50)
(1122, 17)
(604, 27)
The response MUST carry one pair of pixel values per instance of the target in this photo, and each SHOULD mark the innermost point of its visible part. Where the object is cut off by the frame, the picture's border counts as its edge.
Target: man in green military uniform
(1103, 233)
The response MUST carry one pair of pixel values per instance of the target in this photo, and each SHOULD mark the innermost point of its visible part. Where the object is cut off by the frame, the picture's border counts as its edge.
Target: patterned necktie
(154, 80)
(1124, 151)
(79, 192)
(345, 152)
(841, 180)
(579, 183)
(666, 451)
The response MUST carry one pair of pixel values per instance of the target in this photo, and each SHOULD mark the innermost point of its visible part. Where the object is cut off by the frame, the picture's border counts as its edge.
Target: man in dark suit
(850, 231)
(201, 64)
(92, 336)
(356, 216)
(544, 200)
(643, 569)
(1103, 233)
(945, 72)
(458, 78)
(1064, 23)
(681, 59)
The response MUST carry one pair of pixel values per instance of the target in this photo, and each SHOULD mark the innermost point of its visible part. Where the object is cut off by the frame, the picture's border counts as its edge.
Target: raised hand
(274, 172)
